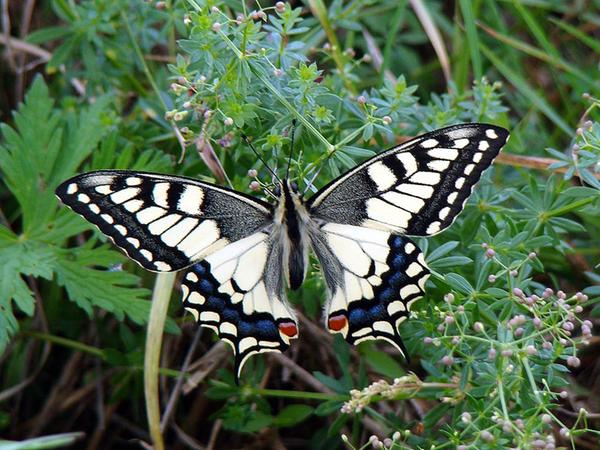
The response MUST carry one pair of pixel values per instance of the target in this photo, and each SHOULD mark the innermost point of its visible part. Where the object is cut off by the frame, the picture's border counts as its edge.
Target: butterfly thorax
(291, 215)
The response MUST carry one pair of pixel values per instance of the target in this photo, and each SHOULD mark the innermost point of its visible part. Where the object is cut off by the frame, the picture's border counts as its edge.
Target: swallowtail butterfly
(240, 253)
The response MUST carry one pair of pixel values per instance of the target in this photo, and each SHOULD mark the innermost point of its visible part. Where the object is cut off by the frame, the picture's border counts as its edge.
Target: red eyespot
(288, 328)
(337, 323)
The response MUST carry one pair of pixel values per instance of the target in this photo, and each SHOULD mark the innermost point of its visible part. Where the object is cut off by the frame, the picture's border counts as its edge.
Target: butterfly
(241, 253)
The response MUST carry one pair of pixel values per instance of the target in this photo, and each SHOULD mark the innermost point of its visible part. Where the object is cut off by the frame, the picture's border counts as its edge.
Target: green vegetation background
(503, 349)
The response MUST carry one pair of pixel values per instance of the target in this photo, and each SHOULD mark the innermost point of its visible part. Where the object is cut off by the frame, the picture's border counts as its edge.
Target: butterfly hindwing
(373, 277)
(417, 188)
(238, 292)
(163, 222)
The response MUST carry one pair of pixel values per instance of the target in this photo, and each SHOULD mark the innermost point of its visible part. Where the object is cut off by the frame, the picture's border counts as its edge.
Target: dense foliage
(503, 352)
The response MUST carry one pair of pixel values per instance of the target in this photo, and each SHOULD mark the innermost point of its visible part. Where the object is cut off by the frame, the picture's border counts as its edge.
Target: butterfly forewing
(417, 188)
(163, 222)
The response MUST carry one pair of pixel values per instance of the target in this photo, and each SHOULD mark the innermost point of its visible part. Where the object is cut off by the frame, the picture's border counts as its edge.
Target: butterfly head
(287, 189)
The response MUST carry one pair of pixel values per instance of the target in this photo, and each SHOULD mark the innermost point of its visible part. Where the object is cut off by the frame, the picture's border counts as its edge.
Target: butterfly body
(240, 253)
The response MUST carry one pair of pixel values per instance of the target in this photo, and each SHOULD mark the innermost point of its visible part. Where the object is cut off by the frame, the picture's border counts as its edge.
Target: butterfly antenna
(245, 138)
(287, 170)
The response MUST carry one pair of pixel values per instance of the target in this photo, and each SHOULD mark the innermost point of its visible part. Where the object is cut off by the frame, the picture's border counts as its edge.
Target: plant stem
(298, 394)
(156, 323)
(140, 57)
(320, 11)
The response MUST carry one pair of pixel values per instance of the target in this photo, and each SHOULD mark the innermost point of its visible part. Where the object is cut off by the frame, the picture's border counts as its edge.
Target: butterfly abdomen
(297, 257)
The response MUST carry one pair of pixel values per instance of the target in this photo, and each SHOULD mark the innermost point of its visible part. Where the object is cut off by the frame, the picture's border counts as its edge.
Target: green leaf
(111, 290)
(43, 35)
(293, 414)
(459, 283)
(383, 363)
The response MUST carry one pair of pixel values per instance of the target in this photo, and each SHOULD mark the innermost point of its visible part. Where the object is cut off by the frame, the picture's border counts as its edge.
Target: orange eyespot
(289, 329)
(337, 323)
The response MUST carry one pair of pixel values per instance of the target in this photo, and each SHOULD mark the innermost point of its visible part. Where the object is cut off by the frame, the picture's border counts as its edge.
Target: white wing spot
(121, 229)
(72, 188)
(83, 198)
(381, 211)
(395, 307)
(150, 214)
(133, 241)
(469, 169)
(161, 225)
(191, 199)
(422, 281)
(94, 208)
(414, 269)
(105, 189)
(459, 183)
(246, 343)
(160, 265)
(146, 254)
(443, 153)
(409, 290)
(205, 234)
(433, 227)
(409, 248)
(374, 280)
(124, 195)
(192, 277)
(477, 157)
(483, 145)
(444, 212)
(383, 326)
(438, 165)
(382, 175)
(362, 332)
(429, 143)
(409, 162)
(491, 134)
(431, 178)
(211, 316)
(107, 218)
(177, 233)
(196, 298)
(404, 201)
(452, 197)
(133, 181)
(228, 328)
(461, 143)
(416, 190)
(133, 205)
(160, 194)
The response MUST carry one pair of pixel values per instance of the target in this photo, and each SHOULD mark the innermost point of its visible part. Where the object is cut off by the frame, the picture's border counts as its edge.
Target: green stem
(298, 394)
(156, 323)
(532, 382)
(502, 399)
(140, 56)
(320, 11)
(76, 345)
